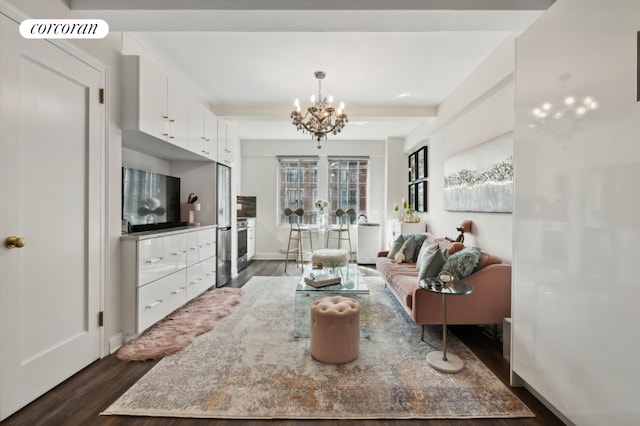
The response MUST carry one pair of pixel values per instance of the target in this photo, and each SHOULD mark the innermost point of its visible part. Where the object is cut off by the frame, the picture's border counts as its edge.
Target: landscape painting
(480, 179)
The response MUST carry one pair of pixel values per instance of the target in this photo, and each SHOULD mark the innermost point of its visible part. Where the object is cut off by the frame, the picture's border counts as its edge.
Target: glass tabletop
(351, 279)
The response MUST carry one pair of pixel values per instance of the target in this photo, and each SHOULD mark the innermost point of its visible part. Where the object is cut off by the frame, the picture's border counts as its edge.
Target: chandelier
(321, 117)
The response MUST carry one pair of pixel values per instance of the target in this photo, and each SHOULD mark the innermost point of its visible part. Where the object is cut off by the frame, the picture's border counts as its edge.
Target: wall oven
(241, 226)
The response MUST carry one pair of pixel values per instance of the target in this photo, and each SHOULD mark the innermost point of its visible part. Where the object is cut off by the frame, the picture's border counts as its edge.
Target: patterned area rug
(250, 366)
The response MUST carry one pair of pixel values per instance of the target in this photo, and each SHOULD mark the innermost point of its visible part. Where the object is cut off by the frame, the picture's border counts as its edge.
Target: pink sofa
(489, 303)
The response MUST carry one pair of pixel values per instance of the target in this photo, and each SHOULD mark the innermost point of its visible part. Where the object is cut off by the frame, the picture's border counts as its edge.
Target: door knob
(14, 242)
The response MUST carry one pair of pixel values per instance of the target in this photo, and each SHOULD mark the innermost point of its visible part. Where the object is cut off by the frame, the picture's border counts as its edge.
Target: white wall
(478, 110)
(575, 289)
(259, 177)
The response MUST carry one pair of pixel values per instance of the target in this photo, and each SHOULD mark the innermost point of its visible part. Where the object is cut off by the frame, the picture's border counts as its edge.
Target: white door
(50, 195)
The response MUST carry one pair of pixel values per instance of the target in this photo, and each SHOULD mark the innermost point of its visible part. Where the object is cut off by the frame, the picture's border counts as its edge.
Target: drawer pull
(210, 244)
(179, 290)
(154, 304)
(178, 253)
(193, 248)
(154, 260)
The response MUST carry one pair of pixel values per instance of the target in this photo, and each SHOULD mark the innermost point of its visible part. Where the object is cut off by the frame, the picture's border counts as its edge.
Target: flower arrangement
(406, 213)
(321, 205)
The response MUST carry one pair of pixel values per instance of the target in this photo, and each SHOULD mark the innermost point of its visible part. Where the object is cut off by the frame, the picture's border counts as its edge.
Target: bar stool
(297, 235)
(342, 231)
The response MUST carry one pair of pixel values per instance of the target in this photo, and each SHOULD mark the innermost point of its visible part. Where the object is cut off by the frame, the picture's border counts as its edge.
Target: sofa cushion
(432, 264)
(462, 263)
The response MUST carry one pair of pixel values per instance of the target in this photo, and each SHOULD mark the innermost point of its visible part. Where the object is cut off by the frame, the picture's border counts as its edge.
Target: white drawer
(159, 298)
(200, 245)
(158, 257)
(200, 277)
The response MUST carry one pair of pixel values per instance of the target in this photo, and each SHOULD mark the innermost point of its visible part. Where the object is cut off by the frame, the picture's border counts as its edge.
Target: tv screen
(150, 200)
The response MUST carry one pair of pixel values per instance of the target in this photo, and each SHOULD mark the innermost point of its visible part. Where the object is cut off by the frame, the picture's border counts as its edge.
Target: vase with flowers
(321, 220)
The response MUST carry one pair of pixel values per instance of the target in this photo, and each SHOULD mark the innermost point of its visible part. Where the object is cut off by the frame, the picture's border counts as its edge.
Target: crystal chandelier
(321, 117)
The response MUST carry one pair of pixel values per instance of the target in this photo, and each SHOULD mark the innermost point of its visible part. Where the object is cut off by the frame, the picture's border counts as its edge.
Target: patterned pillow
(461, 264)
(425, 251)
(409, 249)
(432, 264)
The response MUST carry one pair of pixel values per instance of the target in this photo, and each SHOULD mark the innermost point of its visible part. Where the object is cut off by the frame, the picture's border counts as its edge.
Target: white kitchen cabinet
(251, 238)
(163, 270)
(177, 100)
(202, 130)
(224, 143)
(154, 110)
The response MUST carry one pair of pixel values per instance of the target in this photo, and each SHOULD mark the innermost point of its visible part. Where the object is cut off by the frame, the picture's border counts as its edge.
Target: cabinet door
(177, 101)
(195, 130)
(161, 297)
(222, 142)
(160, 256)
(153, 118)
(210, 135)
(251, 242)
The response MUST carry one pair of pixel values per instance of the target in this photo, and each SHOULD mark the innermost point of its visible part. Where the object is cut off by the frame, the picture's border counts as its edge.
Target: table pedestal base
(453, 364)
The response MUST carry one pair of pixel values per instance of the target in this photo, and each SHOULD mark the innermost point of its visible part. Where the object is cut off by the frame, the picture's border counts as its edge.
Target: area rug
(181, 327)
(250, 366)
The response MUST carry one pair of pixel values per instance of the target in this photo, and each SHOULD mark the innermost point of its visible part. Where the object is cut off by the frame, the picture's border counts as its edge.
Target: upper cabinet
(225, 142)
(155, 112)
(203, 130)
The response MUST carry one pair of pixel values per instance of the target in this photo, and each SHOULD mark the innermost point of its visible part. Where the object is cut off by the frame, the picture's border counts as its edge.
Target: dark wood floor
(80, 399)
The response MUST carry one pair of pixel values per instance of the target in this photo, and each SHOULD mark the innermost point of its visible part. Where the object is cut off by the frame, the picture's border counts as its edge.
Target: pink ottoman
(335, 329)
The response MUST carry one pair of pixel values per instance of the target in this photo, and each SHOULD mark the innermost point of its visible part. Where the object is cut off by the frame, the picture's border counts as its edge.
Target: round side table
(440, 360)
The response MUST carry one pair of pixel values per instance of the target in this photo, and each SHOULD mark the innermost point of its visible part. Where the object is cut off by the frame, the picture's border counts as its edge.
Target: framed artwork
(412, 195)
(421, 196)
(422, 163)
(413, 166)
(480, 179)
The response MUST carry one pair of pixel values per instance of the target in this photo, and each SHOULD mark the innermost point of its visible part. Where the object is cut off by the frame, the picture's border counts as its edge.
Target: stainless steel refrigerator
(223, 202)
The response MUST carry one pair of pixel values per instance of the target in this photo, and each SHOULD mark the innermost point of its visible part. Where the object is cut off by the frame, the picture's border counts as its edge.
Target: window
(298, 186)
(348, 185)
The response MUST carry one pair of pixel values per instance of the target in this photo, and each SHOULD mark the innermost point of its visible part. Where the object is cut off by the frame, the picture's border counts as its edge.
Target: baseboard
(547, 404)
(115, 342)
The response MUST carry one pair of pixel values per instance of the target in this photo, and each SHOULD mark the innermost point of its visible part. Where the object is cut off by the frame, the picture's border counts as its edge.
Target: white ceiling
(392, 63)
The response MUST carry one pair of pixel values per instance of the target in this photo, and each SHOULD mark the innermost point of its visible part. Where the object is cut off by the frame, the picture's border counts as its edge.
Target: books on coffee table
(322, 280)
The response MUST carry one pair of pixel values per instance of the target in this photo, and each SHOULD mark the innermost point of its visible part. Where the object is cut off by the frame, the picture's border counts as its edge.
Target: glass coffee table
(352, 285)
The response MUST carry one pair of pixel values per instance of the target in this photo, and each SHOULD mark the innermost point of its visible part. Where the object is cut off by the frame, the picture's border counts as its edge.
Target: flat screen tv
(150, 200)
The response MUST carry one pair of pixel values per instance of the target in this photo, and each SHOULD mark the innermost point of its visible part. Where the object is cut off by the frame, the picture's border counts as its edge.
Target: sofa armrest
(383, 253)
(489, 303)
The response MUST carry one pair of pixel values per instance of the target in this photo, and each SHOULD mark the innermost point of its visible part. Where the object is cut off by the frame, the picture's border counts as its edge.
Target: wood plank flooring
(80, 399)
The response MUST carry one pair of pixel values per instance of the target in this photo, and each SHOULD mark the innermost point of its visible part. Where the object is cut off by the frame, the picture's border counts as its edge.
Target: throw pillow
(395, 247)
(461, 264)
(419, 240)
(425, 251)
(455, 247)
(410, 250)
(432, 264)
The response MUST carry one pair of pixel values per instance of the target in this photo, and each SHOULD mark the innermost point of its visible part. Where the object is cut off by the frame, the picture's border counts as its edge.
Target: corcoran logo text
(64, 28)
